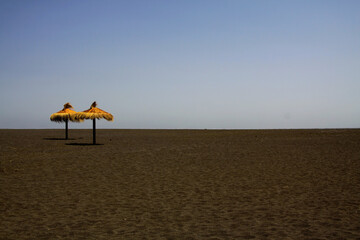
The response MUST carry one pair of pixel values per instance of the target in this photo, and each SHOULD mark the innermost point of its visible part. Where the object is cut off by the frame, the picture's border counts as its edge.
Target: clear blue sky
(182, 64)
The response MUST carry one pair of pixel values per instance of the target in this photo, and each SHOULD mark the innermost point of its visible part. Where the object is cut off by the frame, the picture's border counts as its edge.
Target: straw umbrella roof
(64, 115)
(94, 112)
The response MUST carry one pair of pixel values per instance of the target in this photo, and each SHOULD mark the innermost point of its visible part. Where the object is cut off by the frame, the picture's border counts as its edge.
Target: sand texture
(180, 184)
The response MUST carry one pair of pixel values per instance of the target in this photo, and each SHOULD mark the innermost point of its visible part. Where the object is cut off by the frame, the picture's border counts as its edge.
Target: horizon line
(204, 129)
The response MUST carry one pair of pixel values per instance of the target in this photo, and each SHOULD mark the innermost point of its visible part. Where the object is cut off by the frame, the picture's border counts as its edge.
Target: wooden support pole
(66, 129)
(94, 131)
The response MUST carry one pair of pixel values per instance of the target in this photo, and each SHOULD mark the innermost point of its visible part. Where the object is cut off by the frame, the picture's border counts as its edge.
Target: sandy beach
(180, 184)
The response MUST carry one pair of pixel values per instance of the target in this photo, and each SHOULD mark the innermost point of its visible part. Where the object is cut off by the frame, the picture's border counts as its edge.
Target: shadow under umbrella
(84, 144)
(58, 138)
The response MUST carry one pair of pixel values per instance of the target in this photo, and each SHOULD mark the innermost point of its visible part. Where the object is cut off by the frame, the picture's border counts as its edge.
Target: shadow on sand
(84, 144)
(58, 139)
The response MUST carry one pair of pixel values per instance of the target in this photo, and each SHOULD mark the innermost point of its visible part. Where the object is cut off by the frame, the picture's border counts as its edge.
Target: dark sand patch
(154, 184)
(59, 139)
(84, 144)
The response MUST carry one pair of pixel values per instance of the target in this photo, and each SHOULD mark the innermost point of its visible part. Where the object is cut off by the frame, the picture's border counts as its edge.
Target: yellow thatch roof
(93, 112)
(65, 114)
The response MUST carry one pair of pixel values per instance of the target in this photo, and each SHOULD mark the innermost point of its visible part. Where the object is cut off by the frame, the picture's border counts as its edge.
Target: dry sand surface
(180, 184)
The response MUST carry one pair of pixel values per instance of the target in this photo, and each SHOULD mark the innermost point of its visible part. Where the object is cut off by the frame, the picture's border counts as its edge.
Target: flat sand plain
(180, 184)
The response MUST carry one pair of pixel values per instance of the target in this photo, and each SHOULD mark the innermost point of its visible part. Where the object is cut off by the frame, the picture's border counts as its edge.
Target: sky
(190, 64)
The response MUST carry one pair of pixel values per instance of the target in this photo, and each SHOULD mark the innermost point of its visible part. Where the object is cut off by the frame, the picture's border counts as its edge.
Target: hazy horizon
(61, 126)
(182, 64)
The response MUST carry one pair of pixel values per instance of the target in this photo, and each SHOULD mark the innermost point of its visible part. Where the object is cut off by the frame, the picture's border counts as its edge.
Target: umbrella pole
(94, 131)
(66, 129)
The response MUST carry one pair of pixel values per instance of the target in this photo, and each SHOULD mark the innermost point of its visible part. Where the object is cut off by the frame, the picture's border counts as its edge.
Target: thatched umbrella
(94, 113)
(65, 115)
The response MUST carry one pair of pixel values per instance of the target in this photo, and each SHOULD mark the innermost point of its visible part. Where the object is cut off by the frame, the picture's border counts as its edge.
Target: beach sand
(180, 184)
